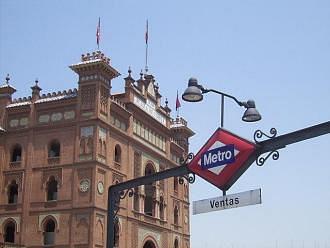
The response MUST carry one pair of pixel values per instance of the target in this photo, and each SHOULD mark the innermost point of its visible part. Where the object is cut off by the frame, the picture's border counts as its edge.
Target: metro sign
(223, 159)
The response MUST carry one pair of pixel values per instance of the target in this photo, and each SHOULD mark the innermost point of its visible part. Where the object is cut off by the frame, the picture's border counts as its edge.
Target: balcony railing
(53, 160)
(10, 245)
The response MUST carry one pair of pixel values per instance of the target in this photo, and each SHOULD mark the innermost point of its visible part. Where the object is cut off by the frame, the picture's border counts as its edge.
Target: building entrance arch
(149, 244)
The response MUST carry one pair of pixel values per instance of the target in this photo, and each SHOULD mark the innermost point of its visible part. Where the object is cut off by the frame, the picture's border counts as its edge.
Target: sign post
(242, 199)
(248, 153)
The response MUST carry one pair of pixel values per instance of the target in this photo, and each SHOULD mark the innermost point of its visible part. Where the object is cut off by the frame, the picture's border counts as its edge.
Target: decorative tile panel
(86, 131)
(102, 133)
(143, 234)
(44, 118)
(69, 115)
(24, 121)
(56, 117)
(13, 123)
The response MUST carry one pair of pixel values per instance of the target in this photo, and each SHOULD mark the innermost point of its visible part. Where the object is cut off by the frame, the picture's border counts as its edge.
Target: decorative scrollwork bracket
(122, 195)
(191, 176)
(186, 160)
(262, 159)
(258, 135)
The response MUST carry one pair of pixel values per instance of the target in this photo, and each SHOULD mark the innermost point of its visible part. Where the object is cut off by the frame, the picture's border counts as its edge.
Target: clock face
(84, 185)
(100, 187)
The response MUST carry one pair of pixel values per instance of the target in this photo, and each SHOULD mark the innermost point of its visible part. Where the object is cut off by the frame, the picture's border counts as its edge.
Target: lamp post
(195, 91)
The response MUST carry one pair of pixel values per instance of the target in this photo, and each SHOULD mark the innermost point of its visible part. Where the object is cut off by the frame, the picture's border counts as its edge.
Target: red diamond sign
(223, 159)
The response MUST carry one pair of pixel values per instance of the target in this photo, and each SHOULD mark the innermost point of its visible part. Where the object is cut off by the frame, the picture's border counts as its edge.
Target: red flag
(98, 33)
(146, 36)
(177, 103)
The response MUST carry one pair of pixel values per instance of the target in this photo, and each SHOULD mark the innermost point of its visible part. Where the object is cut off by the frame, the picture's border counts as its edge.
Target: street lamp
(195, 91)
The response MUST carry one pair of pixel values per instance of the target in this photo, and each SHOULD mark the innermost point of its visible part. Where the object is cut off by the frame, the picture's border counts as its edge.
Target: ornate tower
(95, 75)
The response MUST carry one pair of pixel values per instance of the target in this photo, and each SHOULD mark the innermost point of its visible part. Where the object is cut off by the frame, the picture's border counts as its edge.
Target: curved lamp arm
(204, 91)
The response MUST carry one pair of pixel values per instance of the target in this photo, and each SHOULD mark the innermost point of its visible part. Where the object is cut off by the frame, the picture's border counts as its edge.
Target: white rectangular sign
(242, 199)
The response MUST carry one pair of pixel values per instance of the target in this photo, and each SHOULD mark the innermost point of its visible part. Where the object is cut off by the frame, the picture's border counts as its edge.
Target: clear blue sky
(276, 52)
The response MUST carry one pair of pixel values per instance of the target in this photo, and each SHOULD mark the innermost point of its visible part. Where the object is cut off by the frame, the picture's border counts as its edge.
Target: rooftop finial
(129, 71)
(7, 79)
(141, 74)
(36, 81)
(166, 102)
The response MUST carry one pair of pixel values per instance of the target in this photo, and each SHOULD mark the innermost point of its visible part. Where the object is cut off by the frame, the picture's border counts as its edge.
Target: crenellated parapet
(95, 56)
(180, 132)
(93, 64)
(54, 96)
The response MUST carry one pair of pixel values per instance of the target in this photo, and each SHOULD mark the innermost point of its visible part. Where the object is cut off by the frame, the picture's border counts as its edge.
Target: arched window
(100, 147)
(117, 154)
(16, 155)
(149, 191)
(176, 215)
(176, 243)
(52, 189)
(136, 198)
(82, 146)
(176, 182)
(54, 149)
(149, 244)
(89, 146)
(104, 150)
(9, 236)
(12, 192)
(161, 208)
(116, 234)
(49, 232)
(186, 190)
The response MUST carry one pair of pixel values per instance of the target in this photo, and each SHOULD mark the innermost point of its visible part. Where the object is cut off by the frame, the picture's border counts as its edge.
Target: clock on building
(100, 187)
(84, 185)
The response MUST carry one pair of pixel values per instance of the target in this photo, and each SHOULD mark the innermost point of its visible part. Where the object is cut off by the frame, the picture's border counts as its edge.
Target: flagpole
(98, 34)
(177, 104)
(146, 68)
(146, 37)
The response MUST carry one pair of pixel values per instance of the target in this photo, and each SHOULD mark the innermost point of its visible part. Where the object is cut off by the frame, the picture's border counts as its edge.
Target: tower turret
(6, 92)
(95, 75)
(35, 91)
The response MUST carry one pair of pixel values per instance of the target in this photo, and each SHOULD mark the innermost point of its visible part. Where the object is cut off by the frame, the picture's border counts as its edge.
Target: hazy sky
(276, 52)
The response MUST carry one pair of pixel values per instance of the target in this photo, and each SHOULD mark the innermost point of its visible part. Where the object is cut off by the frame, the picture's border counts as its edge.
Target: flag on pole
(146, 38)
(177, 103)
(98, 33)
(146, 35)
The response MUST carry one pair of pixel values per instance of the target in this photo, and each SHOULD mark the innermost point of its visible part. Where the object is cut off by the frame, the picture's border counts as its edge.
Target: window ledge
(11, 206)
(117, 165)
(11, 245)
(50, 204)
(53, 160)
(15, 163)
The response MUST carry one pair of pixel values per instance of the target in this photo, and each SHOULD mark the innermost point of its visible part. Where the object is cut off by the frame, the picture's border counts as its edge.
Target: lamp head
(251, 114)
(193, 93)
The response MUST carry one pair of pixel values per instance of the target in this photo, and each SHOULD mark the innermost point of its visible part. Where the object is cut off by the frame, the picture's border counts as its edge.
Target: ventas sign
(223, 159)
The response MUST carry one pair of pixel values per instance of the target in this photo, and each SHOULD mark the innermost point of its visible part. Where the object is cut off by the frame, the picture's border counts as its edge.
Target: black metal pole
(294, 137)
(110, 220)
(222, 110)
(114, 192)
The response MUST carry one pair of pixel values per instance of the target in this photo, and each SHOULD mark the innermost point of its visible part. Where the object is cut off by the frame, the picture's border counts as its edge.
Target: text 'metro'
(218, 156)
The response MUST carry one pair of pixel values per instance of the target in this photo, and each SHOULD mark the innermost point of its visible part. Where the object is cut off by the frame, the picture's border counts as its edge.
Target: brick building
(59, 152)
